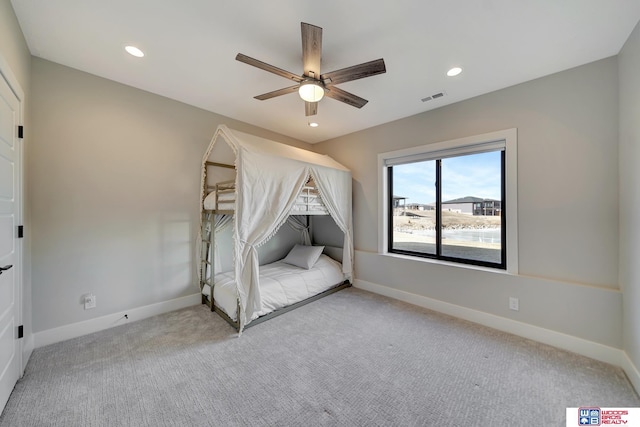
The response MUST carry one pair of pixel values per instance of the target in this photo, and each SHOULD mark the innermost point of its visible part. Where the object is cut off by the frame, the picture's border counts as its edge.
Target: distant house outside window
(449, 202)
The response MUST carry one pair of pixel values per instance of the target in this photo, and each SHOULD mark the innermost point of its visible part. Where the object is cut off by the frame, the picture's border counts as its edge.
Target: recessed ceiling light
(134, 51)
(454, 71)
(313, 124)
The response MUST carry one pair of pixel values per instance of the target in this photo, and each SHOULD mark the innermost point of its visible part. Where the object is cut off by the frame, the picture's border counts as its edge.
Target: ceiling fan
(312, 85)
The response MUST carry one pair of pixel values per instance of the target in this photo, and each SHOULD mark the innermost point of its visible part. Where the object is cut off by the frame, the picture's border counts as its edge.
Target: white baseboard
(632, 371)
(74, 330)
(27, 349)
(577, 345)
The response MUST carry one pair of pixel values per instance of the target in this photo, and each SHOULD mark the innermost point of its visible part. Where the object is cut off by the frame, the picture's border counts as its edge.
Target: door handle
(6, 267)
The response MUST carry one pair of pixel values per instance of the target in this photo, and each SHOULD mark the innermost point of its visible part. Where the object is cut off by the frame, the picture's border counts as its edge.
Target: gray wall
(629, 68)
(114, 187)
(567, 202)
(14, 50)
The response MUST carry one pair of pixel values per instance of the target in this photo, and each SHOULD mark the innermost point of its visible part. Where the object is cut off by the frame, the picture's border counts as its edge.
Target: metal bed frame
(236, 323)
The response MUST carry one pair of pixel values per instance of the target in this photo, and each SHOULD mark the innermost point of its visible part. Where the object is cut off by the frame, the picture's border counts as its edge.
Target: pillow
(303, 256)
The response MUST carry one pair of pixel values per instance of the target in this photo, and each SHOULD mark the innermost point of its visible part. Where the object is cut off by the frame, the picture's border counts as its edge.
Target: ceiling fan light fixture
(311, 91)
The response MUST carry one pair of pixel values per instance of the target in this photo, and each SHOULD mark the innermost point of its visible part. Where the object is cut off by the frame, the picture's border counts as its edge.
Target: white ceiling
(190, 48)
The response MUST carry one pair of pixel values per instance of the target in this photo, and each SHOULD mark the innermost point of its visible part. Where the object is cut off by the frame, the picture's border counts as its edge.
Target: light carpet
(351, 359)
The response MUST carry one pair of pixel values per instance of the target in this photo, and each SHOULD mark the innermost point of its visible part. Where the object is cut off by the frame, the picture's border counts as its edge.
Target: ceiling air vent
(434, 96)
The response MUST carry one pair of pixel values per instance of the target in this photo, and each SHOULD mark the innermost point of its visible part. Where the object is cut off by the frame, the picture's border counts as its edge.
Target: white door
(10, 252)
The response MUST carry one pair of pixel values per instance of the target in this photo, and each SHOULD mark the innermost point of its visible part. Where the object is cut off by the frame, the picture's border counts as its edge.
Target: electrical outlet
(514, 303)
(89, 301)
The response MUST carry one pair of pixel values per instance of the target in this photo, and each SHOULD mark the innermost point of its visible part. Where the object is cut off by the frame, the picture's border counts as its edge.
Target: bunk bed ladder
(207, 256)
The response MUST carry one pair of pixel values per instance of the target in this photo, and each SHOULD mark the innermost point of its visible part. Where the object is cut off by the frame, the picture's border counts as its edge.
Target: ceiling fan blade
(310, 108)
(278, 92)
(270, 68)
(344, 96)
(355, 72)
(311, 50)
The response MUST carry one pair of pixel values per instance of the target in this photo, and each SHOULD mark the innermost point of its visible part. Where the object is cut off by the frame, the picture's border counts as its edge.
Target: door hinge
(20, 331)
(20, 131)
(20, 231)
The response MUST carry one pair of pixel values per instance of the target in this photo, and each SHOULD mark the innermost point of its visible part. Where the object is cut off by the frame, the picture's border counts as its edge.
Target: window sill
(448, 263)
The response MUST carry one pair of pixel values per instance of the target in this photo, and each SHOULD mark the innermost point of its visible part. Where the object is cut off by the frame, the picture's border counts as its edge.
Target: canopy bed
(255, 186)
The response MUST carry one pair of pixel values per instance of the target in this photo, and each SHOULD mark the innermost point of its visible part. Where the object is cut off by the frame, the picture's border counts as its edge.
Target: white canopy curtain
(299, 225)
(269, 177)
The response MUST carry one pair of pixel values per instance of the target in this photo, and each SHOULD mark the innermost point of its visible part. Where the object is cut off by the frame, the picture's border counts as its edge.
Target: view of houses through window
(449, 208)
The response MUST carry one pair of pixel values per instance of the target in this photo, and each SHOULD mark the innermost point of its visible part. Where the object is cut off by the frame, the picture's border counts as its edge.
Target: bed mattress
(307, 203)
(226, 201)
(281, 285)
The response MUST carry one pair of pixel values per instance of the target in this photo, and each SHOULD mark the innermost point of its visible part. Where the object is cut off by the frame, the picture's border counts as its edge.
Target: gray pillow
(303, 256)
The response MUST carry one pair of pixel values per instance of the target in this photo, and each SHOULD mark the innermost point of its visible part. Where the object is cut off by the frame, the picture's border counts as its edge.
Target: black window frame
(438, 208)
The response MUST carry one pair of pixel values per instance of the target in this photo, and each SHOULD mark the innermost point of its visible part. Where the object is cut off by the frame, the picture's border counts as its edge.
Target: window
(451, 201)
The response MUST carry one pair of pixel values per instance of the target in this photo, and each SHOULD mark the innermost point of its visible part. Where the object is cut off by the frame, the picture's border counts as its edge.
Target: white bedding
(307, 202)
(226, 201)
(280, 285)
